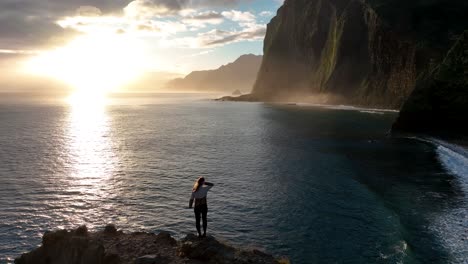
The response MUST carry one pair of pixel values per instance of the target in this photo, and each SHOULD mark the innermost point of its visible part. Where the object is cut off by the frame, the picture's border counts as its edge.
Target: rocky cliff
(238, 75)
(438, 106)
(115, 247)
(360, 52)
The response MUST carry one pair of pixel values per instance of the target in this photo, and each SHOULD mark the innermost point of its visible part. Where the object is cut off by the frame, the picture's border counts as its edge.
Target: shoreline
(341, 107)
(458, 146)
(248, 98)
(453, 155)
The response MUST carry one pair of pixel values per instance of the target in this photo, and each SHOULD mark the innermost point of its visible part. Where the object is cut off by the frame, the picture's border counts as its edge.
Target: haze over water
(319, 185)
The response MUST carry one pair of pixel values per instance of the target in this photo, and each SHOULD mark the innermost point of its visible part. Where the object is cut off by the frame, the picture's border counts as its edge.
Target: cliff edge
(115, 247)
(438, 106)
(360, 52)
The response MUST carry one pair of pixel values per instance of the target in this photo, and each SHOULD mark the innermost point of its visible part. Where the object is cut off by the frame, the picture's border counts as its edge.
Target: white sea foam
(373, 112)
(350, 108)
(454, 159)
(451, 227)
(398, 251)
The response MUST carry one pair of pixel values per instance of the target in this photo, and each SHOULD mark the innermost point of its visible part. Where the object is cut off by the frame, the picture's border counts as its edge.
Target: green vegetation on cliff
(366, 53)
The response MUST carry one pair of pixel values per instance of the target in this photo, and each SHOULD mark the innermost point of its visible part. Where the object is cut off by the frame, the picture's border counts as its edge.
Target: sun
(93, 64)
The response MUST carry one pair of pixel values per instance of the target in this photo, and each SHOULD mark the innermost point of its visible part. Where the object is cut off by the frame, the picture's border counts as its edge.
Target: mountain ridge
(237, 75)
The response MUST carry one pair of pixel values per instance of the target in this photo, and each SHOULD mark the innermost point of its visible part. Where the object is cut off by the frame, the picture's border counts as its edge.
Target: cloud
(30, 24)
(29, 27)
(30, 32)
(266, 13)
(216, 37)
(88, 11)
(239, 16)
(202, 19)
(208, 15)
(152, 8)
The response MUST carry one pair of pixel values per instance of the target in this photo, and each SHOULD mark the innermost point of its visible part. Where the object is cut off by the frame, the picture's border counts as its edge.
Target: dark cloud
(172, 6)
(23, 32)
(30, 24)
(55, 8)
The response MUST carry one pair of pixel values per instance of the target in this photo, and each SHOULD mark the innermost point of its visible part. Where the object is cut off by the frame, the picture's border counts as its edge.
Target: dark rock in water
(242, 98)
(439, 104)
(366, 53)
(111, 247)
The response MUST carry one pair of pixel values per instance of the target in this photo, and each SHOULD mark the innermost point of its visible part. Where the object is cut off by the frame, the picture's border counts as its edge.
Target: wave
(397, 252)
(454, 158)
(373, 112)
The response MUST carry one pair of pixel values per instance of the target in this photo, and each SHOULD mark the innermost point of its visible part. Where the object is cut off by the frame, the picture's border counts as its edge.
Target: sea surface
(315, 183)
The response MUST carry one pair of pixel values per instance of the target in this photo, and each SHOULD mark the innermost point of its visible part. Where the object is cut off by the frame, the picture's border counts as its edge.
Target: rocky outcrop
(212, 251)
(366, 53)
(237, 93)
(439, 104)
(241, 98)
(238, 75)
(115, 247)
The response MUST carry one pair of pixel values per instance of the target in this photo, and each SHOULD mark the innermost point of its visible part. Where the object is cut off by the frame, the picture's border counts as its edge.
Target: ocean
(315, 183)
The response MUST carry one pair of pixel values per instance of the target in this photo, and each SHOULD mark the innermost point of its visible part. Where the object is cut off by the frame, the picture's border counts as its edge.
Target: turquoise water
(319, 185)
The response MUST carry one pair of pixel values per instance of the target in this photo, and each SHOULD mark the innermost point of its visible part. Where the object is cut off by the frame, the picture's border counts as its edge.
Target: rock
(242, 98)
(81, 231)
(439, 104)
(111, 258)
(110, 229)
(150, 259)
(74, 247)
(236, 93)
(65, 247)
(166, 238)
(212, 251)
(366, 53)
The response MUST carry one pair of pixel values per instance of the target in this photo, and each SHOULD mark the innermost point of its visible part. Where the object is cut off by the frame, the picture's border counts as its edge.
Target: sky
(113, 41)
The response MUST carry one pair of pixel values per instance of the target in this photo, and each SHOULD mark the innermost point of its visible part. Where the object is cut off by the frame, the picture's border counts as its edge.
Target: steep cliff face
(438, 105)
(352, 51)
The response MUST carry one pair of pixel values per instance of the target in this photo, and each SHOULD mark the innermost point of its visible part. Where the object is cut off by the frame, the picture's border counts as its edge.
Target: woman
(199, 192)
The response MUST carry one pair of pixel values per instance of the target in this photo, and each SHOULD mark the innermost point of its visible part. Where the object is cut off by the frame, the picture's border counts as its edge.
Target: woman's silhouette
(199, 192)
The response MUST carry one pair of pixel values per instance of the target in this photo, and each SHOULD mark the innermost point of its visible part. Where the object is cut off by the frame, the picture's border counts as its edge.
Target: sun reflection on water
(92, 160)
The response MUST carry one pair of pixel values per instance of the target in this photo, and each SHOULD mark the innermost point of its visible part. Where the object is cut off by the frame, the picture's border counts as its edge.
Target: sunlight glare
(93, 63)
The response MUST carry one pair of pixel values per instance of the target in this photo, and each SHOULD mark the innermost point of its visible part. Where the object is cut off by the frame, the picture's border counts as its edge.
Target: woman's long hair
(198, 184)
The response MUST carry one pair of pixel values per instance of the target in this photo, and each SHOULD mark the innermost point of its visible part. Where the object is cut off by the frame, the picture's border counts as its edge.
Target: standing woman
(199, 192)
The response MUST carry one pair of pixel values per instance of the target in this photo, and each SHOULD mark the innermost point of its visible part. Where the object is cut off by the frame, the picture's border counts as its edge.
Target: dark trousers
(201, 211)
